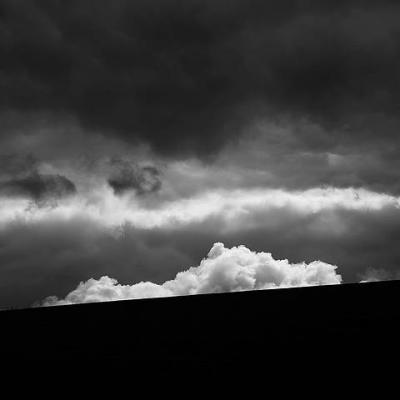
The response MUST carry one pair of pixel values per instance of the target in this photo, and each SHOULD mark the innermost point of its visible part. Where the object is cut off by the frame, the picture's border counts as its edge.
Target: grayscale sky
(239, 144)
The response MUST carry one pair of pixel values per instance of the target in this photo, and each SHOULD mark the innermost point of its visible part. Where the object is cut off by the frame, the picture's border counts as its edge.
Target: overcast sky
(239, 144)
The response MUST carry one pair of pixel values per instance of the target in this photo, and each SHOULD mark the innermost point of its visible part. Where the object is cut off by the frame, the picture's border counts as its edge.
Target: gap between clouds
(223, 270)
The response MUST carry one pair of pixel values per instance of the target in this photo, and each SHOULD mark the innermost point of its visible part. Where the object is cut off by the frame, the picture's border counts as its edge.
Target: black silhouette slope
(355, 324)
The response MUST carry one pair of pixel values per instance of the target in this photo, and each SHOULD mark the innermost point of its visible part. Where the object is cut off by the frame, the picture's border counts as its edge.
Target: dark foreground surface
(337, 330)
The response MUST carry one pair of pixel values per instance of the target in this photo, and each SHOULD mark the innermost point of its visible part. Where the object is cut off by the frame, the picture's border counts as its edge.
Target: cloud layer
(223, 270)
(188, 78)
(230, 206)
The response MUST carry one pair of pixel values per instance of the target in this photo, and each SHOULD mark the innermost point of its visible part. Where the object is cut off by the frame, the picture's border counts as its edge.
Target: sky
(164, 147)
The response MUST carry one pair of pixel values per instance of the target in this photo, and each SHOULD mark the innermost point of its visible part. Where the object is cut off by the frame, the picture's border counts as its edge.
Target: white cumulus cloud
(223, 270)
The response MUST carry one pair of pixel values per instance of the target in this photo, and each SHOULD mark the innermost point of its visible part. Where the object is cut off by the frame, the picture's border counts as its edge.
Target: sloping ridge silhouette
(355, 324)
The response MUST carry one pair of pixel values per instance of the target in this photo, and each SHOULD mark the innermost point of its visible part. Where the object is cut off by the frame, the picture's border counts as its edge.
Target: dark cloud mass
(38, 187)
(189, 75)
(130, 177)
(19, 177)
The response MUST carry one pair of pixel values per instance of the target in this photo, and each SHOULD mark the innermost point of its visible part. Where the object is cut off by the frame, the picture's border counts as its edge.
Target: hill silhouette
(217, 334)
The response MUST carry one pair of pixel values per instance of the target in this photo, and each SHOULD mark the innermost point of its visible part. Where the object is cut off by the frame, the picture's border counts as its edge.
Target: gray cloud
(131, 177)
(20, 178)
(38, 187)
(187, 79)
(12, 165)
(379, 274)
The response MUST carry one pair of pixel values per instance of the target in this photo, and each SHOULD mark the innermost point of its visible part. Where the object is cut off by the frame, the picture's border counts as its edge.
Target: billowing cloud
(223, 270)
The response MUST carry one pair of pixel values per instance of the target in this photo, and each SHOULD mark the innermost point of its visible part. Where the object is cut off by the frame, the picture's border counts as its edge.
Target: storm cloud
(38, 187)
(190, 76)
(130, 177)
(20, 177)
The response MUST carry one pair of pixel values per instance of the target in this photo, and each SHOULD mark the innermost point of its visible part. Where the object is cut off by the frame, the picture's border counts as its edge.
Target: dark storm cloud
(130, 177)
(190, 74)
(19, 177)
(38, 187)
